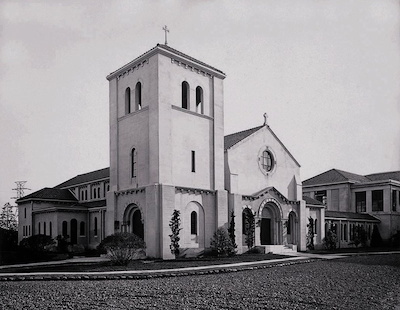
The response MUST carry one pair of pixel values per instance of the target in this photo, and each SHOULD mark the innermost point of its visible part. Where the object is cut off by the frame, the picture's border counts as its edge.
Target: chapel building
(168, 151)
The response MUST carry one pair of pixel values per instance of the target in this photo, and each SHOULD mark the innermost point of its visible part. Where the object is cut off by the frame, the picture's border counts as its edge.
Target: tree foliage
(330, 240)
(310, 234)
(175, 225)
(8, 219)
(123, 247)
(249, 227)
(359, 236)
(221, 243)
(37, 243)
(231, 229)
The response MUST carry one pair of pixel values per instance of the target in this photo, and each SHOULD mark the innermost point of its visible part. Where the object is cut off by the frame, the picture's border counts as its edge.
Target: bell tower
(166, 131)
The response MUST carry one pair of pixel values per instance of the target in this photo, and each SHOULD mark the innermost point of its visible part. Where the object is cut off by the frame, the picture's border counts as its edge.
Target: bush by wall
(221, 243)
(330, 240)
(122, 248)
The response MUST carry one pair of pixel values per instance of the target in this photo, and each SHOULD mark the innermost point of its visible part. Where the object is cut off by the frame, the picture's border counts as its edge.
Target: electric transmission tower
(20, 189)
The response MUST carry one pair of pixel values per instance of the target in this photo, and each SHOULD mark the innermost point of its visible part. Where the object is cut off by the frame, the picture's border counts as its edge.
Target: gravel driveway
(360, 282)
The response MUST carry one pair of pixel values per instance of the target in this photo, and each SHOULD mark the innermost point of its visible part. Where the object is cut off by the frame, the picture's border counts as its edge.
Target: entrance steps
(280, 248)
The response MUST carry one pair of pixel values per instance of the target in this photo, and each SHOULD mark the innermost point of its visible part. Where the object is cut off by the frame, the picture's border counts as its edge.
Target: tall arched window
(82, 229)
(133, 163)
(44, 229)
(95, 226)
(199, 100)
(127, 100)
(94, 193)
(64, 228)
(50, 230)
(185, 95)
(193, 223)
(138, 96)
(39, 227)
(315, 227)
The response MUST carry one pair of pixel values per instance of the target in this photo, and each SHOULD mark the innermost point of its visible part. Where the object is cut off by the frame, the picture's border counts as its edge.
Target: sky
(326, 72)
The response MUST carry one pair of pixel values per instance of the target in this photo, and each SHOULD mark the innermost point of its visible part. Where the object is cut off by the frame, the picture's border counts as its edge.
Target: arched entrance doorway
(133, 221)
(291, 229)
(270, 224)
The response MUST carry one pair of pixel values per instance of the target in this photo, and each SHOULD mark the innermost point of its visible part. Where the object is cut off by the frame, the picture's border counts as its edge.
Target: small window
(361, 202)
(95, 226)
(24, 212)
(82, 229)
(394, 200)
(86, 194)
(377, 200)
(138, 96)
(199, 100)
(267, 160)
(345, 232)
(193, 161)
(64, 229)
(82, 195)
(316, 227)
(133, 163)
(98, 192)
(128, 101)
(185, 95)
(320, 196)
(193, 223)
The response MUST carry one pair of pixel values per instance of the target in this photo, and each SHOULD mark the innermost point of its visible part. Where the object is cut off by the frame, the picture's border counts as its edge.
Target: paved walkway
(297, 257)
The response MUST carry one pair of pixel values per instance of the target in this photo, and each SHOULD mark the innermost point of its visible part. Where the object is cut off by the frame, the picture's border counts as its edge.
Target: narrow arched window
(138, 96)
(82, 195)
(128, 100)
(98, 192)
(133, 163)
(85, 194)
(39, 228)
(95, 226)
(82, 229)
(193, 223)
(315, 227)
(199, 100)
(44, 229)
(185, 95)
(50, 230)
(64, 228)
(94, 193)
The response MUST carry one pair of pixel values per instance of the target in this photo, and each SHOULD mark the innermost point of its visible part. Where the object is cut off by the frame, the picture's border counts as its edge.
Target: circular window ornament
(266, 160)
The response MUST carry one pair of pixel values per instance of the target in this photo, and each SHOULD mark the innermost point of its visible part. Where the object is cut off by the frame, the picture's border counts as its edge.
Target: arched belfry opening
(270, 224)
(133, 221)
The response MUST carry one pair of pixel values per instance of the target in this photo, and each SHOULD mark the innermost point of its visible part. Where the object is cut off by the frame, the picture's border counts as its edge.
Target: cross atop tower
(165, 28)
(265, 119)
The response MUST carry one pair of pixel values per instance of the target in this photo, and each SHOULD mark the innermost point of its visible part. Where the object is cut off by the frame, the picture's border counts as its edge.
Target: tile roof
(350, 215)
(232, 139)
(50, 194)
(312, 201)
(86, 177)
(392, 175)
(93, 204)
(335, 176)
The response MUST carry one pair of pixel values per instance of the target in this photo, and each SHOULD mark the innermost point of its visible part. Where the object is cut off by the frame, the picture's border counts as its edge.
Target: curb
(145, 275)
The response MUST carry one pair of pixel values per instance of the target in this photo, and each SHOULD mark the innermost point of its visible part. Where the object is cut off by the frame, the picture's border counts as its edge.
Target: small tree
(175, 224)
(249, 227)
(8, 219)
(376, 239)
(330, 240)
(231, 229)
(221, 243)
(310, 234)
(122, 248)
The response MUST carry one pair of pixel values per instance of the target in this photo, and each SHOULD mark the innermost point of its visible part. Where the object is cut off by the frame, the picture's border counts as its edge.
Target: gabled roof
(335, 176)
(232, 139)
(312, 201)
(85, 178)
(351, 215)
(167, 48)
(50, 194)
(392, 175)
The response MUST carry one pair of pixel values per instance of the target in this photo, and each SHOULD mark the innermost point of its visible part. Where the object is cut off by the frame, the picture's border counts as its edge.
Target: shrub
(395, 239)
(310, 234)
(359, 237)
(175, 224)
(122, 248)
(249, 227)
(221, 243)
(37, 243)
(8, 239)
(376, 239)
(330, 240)
(62, 243)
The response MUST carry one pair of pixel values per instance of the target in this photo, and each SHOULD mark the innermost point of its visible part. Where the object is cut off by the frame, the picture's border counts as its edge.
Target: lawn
(144, 264)
(359, 282)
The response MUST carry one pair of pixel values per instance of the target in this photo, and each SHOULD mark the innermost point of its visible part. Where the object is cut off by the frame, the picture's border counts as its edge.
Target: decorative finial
(165, 28)
(265, 119)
